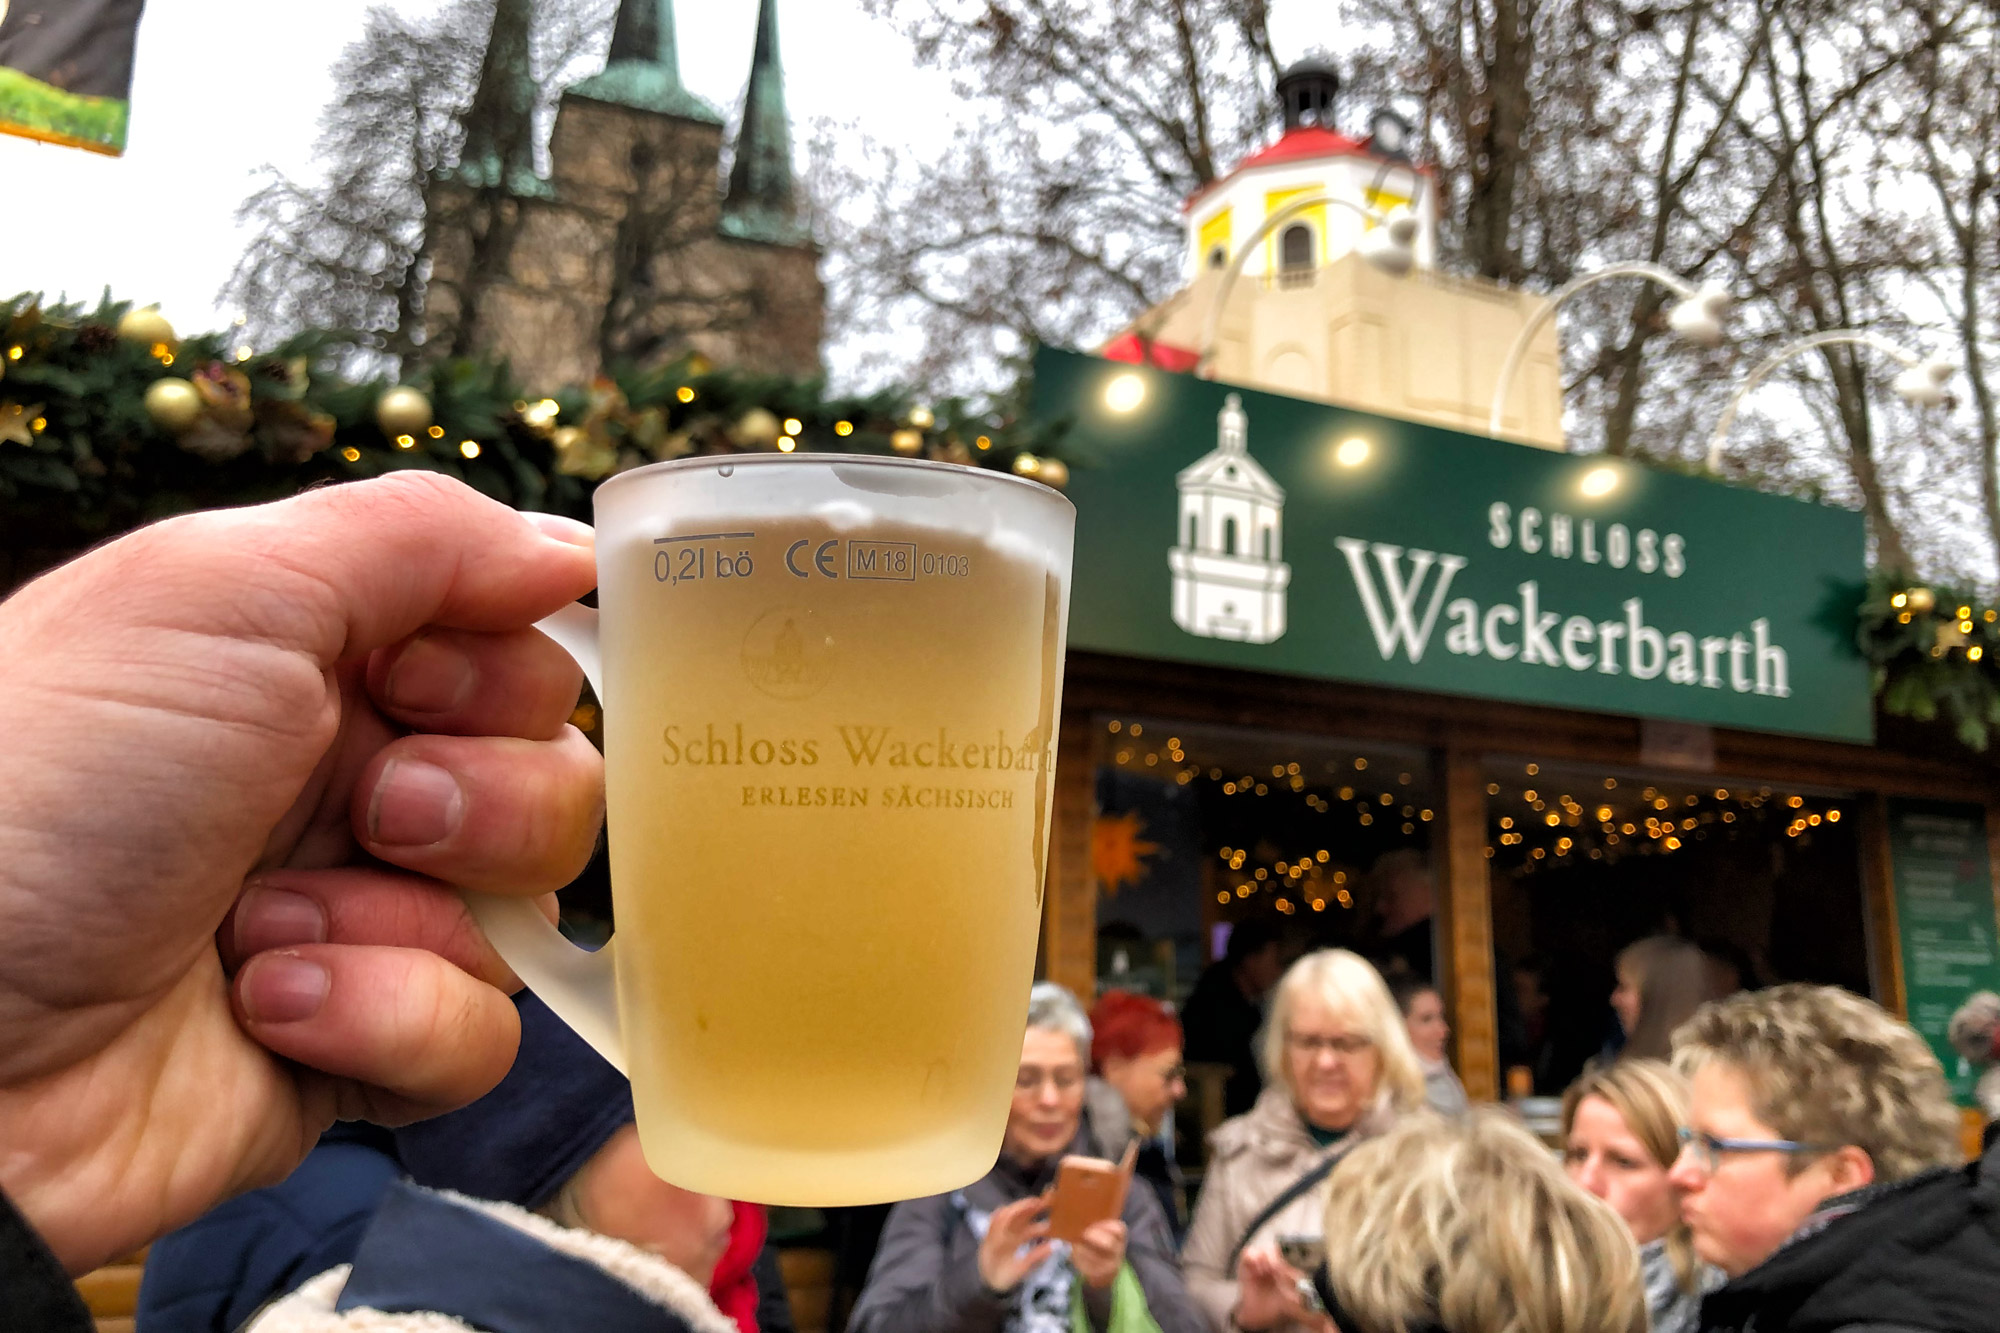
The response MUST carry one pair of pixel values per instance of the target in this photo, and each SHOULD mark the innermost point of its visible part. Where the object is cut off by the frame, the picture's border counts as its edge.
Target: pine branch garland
(84, 460)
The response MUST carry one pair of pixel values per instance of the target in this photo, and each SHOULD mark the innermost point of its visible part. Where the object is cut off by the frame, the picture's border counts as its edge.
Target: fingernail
(565, 530)
(429, 676)
(415, 804)
(283, 988)
(275, 918)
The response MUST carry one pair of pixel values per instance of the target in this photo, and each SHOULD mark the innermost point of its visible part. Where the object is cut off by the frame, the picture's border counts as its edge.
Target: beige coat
(1253, 1159)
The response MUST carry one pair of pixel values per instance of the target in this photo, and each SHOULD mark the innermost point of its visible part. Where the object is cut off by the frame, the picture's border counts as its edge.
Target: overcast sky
(223, 86)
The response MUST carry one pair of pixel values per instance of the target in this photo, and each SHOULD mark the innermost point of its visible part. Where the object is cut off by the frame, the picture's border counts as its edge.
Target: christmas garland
(1932, 650)
(109, 420)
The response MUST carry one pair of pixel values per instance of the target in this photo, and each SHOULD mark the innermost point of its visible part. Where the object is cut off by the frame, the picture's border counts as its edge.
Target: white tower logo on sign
(1229, 574)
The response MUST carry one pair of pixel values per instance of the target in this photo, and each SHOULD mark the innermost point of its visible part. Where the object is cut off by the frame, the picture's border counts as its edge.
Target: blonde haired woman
(1338, 1069)
(1468, 1225)
(1619, 1129)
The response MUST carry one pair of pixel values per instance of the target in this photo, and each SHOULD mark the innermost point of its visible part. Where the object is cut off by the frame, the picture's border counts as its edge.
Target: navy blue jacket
(212, 1275)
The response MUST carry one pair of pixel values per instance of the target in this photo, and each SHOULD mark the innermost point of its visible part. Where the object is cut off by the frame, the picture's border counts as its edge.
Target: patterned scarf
(1041, 1302)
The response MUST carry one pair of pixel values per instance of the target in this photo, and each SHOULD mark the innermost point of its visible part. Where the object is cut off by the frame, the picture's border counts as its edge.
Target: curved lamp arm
(1395, 257)
(1704, 309)
(1921, 383)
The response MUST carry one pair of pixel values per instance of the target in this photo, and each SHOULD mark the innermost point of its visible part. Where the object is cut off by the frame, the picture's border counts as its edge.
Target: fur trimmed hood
(506, 1245)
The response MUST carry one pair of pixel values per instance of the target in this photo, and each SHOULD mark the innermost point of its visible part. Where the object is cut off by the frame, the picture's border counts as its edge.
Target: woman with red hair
(1136, 1077)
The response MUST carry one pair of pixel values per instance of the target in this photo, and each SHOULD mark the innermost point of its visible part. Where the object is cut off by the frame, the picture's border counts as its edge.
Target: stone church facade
(627, 252)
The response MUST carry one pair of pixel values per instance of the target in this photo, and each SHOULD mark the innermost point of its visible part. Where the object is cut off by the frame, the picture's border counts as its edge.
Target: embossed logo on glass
(788, 654)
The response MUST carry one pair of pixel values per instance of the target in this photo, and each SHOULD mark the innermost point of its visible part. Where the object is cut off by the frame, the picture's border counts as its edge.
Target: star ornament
(16, 423)
(1119, 851)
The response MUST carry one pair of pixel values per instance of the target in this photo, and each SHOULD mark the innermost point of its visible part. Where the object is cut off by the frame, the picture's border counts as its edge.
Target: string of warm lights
(1533, 823)
(1560, 827)
(1309, 879)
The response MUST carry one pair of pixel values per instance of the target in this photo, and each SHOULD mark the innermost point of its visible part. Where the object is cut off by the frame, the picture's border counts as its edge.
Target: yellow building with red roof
(1311, 270)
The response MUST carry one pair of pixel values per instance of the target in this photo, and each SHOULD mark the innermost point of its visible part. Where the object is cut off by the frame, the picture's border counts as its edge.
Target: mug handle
(576, 984)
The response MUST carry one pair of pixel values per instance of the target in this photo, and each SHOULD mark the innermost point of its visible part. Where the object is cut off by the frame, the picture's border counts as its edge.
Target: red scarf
(734, 1287)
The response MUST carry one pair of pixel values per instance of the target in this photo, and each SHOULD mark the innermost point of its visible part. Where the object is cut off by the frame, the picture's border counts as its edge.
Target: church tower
(629, 253)
(643, 70)
(760, 205)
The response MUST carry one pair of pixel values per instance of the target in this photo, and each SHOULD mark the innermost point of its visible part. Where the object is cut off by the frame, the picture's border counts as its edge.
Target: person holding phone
(1339, 1069)
(981, 1260)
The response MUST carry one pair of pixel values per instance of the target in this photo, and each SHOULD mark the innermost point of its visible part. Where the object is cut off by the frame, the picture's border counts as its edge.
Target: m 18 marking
(882, 560)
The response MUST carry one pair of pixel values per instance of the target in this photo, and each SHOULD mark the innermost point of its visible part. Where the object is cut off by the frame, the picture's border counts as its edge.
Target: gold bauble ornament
(1054, 472)
(1027, 465)
(173, 404)
(403, 411)
(1949, 636)
(148, 328)
(581, 454)
(757, 429)
(1922, 599)
(907, 442)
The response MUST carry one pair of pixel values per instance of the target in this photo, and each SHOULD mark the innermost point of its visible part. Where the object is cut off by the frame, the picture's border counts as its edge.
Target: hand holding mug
(231, 737)
(1015, 1244)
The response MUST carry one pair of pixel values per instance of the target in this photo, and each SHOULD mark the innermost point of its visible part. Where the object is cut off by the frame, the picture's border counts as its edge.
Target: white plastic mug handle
(576, 984)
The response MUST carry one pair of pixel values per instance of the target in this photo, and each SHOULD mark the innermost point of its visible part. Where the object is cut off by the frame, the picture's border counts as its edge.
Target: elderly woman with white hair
(1338, 1069)
(980, 1260)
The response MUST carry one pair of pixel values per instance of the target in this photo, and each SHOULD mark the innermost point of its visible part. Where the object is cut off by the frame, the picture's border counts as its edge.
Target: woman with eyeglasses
(1620, 1131)
(1338, 1069)
(1820, 1170)
(980, 1260)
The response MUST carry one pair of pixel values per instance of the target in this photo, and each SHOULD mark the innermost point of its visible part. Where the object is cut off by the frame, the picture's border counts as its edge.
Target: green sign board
(1945, 919)
(1243, 529)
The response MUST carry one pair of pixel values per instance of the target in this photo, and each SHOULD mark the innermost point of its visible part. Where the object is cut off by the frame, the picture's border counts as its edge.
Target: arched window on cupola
(1295, 255)
(1194, 531)
(1229, 536)
(1267, 541)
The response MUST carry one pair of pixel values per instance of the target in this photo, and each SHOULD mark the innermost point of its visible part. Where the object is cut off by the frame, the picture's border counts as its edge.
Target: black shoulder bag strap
(1278, 1205)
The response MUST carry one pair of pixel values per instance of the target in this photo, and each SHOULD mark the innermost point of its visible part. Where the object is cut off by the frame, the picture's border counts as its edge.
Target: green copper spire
(760, 204)
(644, 69)
(499, 146)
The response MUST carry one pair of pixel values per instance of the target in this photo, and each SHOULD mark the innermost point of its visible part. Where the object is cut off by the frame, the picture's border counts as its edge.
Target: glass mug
(831, 687)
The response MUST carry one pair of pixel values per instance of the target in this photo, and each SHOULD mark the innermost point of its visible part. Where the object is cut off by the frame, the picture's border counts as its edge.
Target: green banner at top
(1221, 525)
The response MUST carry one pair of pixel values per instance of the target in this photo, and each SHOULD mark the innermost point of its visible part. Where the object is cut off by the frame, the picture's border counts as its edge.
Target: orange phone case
(1089, 1189)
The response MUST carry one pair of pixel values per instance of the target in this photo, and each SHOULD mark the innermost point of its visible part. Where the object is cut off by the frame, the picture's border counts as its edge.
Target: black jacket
(1219, 1024)
(35, 1292)
(1921, 1256)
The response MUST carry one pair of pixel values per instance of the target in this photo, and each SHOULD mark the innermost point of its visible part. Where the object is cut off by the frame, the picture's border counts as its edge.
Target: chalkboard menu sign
(1945, 918)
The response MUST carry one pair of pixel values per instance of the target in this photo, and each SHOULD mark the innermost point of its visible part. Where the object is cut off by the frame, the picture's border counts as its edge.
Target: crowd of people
(365, 716)
(1793, 1163)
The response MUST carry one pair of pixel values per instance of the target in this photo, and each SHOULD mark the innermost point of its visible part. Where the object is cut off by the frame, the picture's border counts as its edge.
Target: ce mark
(822, 558)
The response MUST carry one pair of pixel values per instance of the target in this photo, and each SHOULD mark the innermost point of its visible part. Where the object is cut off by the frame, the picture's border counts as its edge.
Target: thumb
(350, 568)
